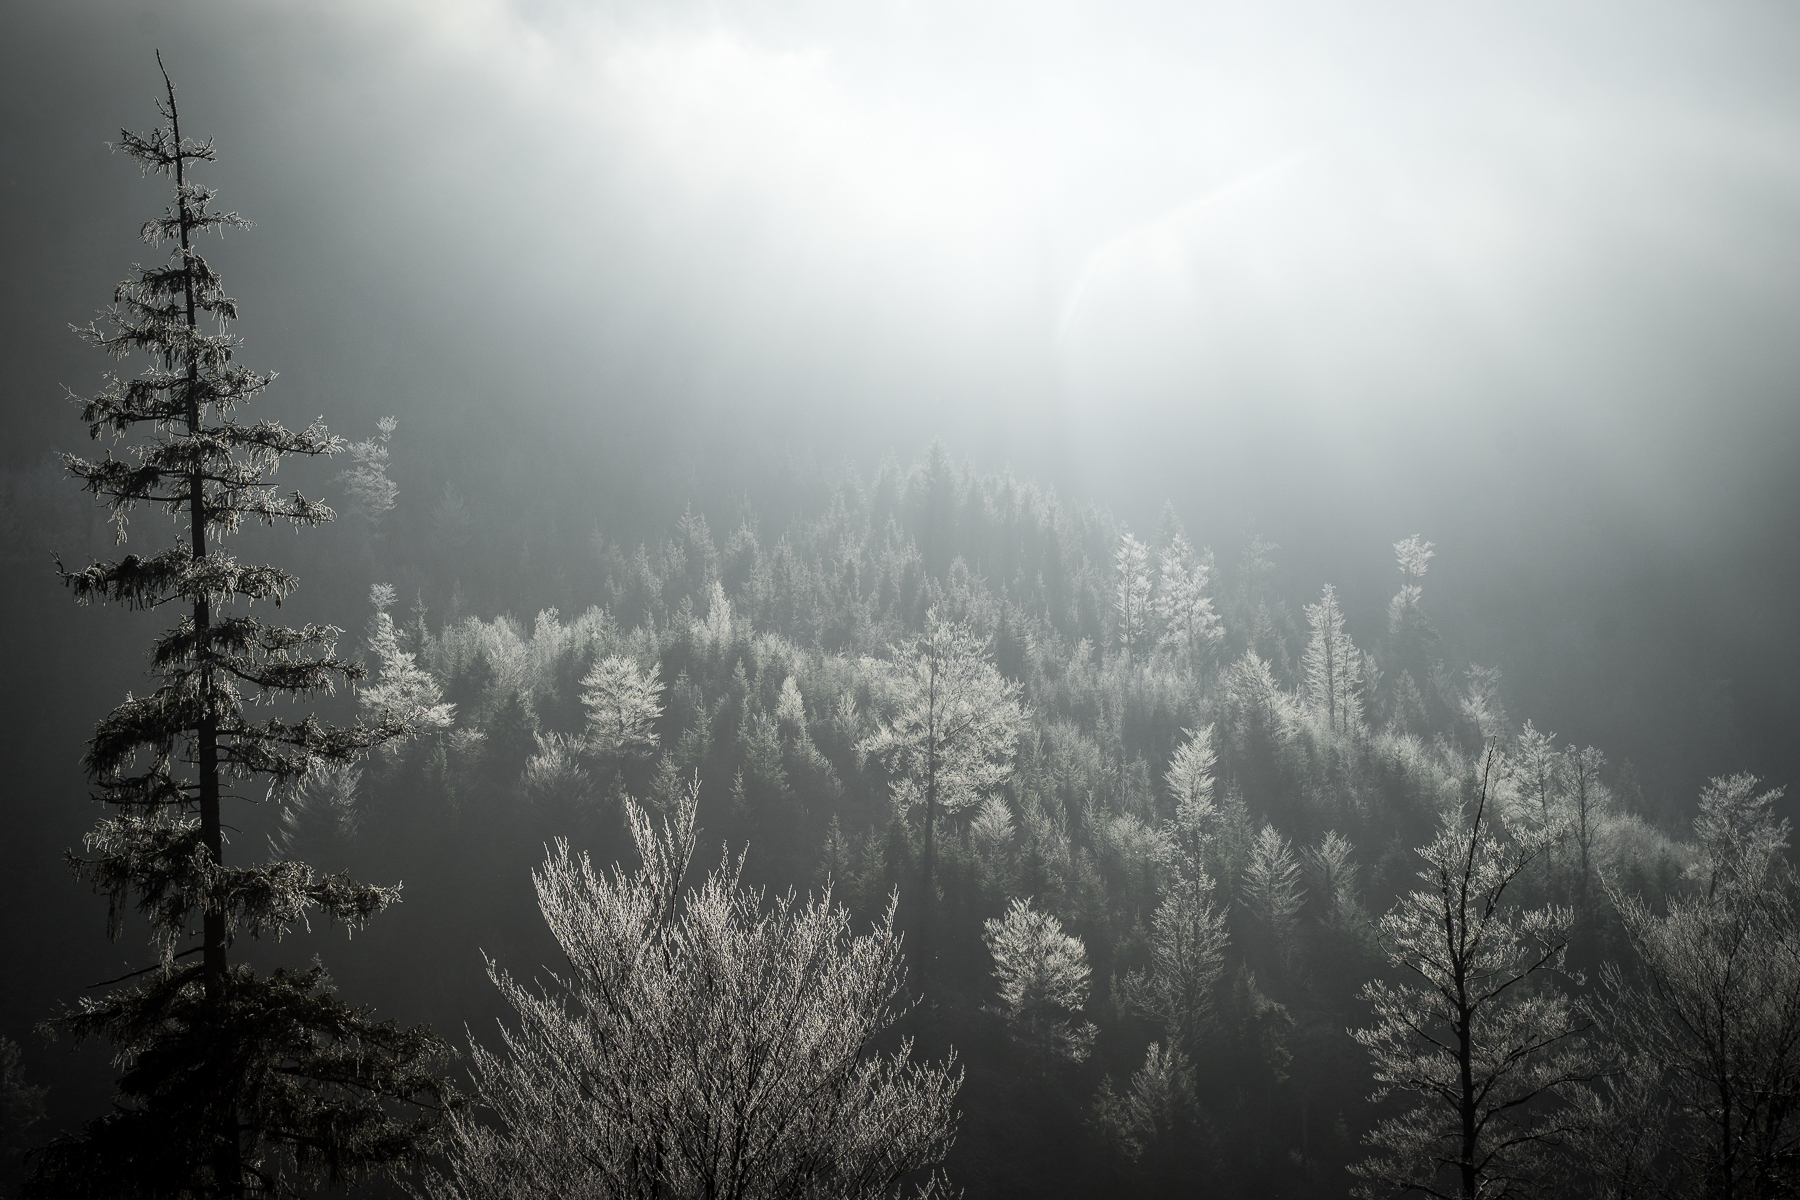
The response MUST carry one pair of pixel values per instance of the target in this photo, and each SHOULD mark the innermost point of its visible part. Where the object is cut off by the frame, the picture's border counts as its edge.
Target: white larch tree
(1535, 770)
(1190, 784)
(1330, 869)
(1179, 989)
(372, 491)
(992, 829)
(1587, 803)
(1157, 1104)
(320, 817)
(1414, 554)
(1530, 791)
(554, 781)
(1333, 666)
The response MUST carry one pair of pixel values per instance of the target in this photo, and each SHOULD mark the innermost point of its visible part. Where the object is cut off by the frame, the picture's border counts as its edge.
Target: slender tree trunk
(228, 1161)
(1463, 1054)
(930, 898)
(1722, 1180)
(928, 901)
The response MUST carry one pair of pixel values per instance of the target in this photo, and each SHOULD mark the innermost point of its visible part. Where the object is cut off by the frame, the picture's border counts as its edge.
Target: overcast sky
(1523, 277)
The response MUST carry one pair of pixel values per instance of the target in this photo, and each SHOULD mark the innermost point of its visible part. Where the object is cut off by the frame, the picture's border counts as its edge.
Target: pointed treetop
(1414, 554)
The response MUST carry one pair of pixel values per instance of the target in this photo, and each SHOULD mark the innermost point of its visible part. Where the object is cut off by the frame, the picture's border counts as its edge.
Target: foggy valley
(799, 600)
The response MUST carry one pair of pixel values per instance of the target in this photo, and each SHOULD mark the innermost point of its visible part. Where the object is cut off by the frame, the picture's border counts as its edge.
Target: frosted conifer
(951, 738)
(623, 703)
(1713, 1005)
(1043, 975)
(1181, 604)
(234, 1083)
(1272, 889)
(1333, 666)
(1131, 600)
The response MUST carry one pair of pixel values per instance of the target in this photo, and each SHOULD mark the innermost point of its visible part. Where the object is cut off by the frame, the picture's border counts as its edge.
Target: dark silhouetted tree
(1713, 1006)
(1465, 1029)
(234, 1083)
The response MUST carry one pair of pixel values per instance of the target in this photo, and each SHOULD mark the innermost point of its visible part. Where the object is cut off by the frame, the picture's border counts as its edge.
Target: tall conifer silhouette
(234, 1083)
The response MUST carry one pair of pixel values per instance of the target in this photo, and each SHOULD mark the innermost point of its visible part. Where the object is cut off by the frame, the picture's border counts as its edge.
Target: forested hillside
(847, 602)
(1155, 893)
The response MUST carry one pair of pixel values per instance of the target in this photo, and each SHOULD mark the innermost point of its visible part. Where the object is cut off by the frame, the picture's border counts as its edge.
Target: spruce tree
(234, 1083)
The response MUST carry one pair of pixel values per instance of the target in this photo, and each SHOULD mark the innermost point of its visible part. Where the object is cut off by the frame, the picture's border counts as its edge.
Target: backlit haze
(1520, 277)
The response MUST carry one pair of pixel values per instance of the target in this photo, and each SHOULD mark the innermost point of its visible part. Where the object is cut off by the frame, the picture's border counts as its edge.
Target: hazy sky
(1523, 277)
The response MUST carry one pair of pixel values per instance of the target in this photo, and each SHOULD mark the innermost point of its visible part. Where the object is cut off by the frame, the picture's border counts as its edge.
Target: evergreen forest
(439, 802)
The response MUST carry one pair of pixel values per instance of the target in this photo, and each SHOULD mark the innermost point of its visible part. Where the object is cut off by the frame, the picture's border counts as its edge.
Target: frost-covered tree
(1713, 1003)
(1333, 666)
(1615, 1145)
(1587, 804)
(992, 829)
(1157, 1104)
(1741, 838)
(554, 781)
(1414, 554)
(1259, 712)
(1190, 783)
(952, 735)
(1331, 878)
(1131, 594)
(1535, 770)
(790, 710)
(398, 688)
(1411, 639)
(1182, 604)
(1468, 1027)
(323, 812)
(1531, 790)
(698, 1043)
(372, 493)
(1271, 889)
(1179, 989)
(234, 1083)
(1044, 977)
(623, 703)
(1480, 704)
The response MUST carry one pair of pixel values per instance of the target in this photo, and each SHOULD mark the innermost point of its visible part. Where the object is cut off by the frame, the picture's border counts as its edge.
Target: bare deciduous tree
(1713, 1003)
(1467, 1029)
(697, 1045)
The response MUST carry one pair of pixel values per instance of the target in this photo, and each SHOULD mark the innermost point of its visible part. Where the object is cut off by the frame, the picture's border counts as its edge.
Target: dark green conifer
(234, 1083)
